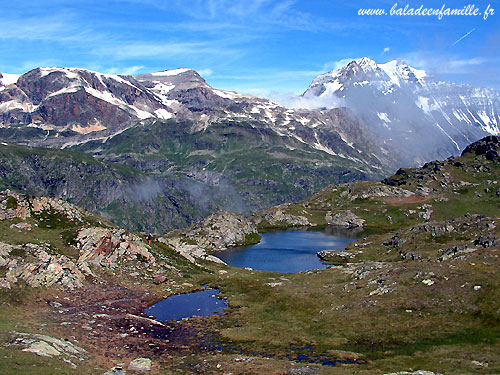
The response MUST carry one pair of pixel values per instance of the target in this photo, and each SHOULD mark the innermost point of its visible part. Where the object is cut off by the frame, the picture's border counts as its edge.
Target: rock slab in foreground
(140, 364)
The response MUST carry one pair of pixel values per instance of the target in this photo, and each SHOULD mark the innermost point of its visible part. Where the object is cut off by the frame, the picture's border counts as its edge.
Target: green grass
(250, 239)
(11, 203)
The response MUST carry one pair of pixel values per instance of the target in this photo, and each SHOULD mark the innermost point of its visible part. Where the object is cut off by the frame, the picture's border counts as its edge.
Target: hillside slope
(127, 196)
(418, 291)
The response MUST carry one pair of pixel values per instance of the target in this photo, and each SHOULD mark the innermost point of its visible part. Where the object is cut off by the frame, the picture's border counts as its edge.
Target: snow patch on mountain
(67, 71)
(10, 105)
(65, 90)
(163, 114)
(383, 116)
(8, 79)
(227, 94)
(171, 72)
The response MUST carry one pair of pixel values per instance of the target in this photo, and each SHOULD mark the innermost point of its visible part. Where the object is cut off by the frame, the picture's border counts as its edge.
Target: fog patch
(145, 191)
(292, 101)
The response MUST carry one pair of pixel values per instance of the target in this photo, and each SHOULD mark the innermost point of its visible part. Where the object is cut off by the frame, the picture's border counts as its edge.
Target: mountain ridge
(411, 111)
(54, 101)
(226, 150)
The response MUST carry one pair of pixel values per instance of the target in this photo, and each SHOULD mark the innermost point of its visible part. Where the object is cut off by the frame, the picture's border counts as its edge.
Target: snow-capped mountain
(395, 115)
(61, 107)
(410, 111)
(79, 100)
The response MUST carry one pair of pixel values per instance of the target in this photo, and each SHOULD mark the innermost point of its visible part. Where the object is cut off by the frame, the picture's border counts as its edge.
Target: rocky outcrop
(47, 346)
(189, 251)
(345, 219)
(107, 247)
(488, 146)
(14, 205)
(337, 257)
(217, 232)
(374, 190)
(34, 265)
(278, 217)
(221, 230)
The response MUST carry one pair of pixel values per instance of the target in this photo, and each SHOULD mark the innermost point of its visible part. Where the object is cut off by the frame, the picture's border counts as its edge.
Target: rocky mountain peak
(403, 106)
(181, 78)
(365, 63)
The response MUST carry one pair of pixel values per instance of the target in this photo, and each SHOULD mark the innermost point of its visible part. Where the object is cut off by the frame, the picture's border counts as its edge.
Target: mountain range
(193, 148)
(411, 111)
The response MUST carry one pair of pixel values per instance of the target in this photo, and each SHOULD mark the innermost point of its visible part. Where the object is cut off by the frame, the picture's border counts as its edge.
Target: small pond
(202, 303)
(289, 250)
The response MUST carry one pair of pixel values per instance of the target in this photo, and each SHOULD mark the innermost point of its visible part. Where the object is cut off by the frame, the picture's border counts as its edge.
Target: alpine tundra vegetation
(418, 294)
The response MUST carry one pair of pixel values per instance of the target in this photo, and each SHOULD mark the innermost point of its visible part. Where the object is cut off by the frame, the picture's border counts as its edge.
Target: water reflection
(202, 303)
(290, 250)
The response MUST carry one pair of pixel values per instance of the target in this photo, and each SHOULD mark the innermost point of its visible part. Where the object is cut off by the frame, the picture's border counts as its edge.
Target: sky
(260, 47)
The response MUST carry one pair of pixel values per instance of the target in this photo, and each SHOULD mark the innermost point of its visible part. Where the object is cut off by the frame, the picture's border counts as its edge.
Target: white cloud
(291, 100)
(205, 72)
(334, 65)
(386, 49)
(134, 50)
(444, 64)
(61, 27)
(460, 64)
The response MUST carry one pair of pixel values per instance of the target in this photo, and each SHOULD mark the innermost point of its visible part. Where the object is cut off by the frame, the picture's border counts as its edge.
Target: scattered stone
(426, 213)
(345, 219)
(117, 370)
(273, 285)
(21, 227)
(244, 359)
(376, 190)
(140, 364)
(477, 287)
(380, 291)
(394, 241)
(428, 282)
(302, 370)
(337, 257)
(418, 372)
(160, 279)
(4, 284)
(479, 364)
(46, 346)
(486, 241)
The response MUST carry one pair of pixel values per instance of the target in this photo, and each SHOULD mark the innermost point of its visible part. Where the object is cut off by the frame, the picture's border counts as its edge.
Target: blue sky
(251, 46)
